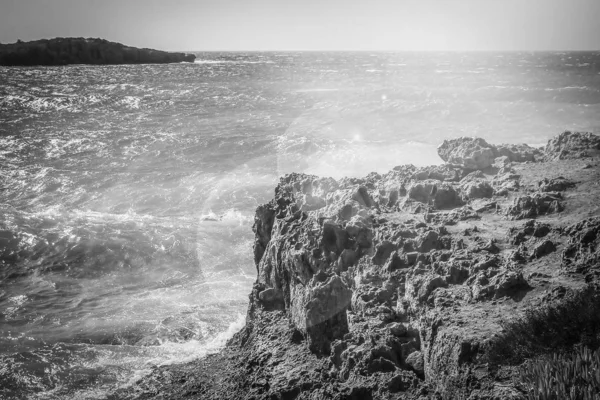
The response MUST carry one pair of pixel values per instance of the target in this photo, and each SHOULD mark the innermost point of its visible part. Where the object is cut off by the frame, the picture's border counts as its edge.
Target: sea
(127, 193)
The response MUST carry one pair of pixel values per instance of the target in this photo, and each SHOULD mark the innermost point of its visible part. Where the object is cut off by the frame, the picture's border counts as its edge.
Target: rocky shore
(408, 285)
(63, 51)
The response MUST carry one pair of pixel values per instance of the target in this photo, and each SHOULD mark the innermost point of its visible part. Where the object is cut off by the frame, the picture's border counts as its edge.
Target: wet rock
(570, 145)
(470, 153)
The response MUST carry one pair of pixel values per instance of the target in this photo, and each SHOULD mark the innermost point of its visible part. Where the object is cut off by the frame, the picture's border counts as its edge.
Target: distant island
(64, 51)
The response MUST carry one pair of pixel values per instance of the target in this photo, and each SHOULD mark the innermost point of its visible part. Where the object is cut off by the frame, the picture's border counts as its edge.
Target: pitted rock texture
(573, 145)
(392, 286)
(471, 153)
(518, 152)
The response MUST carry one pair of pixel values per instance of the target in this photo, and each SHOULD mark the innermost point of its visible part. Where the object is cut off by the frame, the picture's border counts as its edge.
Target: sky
(219, 25)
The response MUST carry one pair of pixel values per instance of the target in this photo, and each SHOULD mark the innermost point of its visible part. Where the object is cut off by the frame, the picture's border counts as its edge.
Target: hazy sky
(312, 24)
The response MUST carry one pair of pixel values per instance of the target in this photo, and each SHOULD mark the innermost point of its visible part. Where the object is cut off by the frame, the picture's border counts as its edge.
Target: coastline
(402, 285)
(67, 51)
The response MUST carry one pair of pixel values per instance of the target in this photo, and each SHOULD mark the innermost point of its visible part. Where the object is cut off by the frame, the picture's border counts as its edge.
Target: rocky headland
(441, 282)
(64, 51)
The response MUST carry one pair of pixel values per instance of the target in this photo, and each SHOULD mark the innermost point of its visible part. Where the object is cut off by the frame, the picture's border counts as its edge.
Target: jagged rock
(270, 296)
(395, 262)
(505, 183)
(518, 152)
(496, 284)
(477, 189)
(516, 236)
(362, 196)
(555, 184)
(437, 172)
(470, 153)
(370, 295)
(419, 287)
(531, 206)
(501, 162)
(320, 311)
(582, 253)
(543, 248)
(570, 145)
(263, 224)
(441, 195)
(397, 329)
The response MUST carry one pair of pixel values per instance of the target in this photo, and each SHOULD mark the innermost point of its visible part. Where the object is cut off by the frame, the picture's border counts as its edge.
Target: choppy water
(127, 193)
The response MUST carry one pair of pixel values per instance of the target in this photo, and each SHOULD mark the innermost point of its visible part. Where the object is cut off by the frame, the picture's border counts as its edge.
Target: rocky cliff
(63, 51)
(402, 285)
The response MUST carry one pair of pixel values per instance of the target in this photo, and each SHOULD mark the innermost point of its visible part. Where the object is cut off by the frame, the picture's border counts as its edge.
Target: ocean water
(127, 193)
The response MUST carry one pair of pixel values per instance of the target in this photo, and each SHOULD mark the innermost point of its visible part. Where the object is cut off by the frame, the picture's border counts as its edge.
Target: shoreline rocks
(393, 286)
(65, 51)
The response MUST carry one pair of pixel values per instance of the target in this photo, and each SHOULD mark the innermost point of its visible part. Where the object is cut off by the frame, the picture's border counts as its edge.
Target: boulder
(477, 189)
(570, 145)
(415, 360)
(530, 206)
(470, 153)
(559, 184)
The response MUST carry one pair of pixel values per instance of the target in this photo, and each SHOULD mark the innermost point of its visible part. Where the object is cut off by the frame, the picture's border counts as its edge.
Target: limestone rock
(559, 184)
(518, 152)
(583, 248)
(415, 360)
(530, 206)
(477, 189)
(543, 248)
(572, 145)
(471, 153)
(441, 195)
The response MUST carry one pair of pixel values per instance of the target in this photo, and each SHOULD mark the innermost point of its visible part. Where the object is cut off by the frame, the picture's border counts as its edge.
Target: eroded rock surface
(391, 286)
(572, 145)
(471, 153)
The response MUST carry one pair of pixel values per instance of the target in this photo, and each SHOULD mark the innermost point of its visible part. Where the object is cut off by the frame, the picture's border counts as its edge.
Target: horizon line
(392, 51)
(307, 50)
